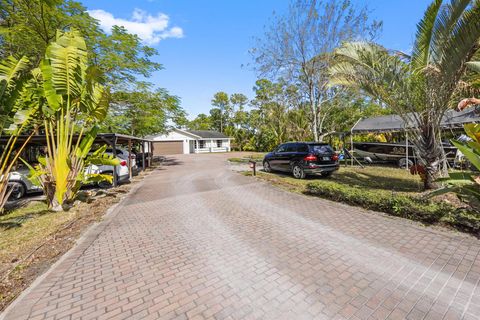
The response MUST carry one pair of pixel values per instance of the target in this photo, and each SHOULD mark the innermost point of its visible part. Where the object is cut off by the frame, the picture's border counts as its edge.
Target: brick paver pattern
(198, 241)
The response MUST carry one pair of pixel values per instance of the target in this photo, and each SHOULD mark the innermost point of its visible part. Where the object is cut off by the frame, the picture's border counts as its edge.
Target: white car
(121, 170)
(21, 184)
(123, 154)
(18, 180)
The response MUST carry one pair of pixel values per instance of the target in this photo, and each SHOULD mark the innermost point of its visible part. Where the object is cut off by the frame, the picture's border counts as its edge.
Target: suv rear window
(321, 148)
(302, 147)
(291, 147)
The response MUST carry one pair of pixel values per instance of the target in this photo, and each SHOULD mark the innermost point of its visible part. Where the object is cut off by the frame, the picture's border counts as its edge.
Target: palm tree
(72, 103)
(419, 87)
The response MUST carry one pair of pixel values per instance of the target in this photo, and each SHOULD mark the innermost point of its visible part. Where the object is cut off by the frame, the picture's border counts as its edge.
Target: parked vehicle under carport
(20, 184)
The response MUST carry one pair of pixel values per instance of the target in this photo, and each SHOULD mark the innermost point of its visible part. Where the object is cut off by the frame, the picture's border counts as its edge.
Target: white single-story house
(190, 141)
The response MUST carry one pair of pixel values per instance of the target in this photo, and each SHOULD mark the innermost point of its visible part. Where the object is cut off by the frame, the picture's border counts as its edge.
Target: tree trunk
(430, 153)
(315, 121)
(52, 202)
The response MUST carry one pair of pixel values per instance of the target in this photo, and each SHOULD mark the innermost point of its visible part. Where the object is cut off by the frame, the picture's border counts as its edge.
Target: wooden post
(143, 155)
(130, 158)
(150, 153)
(406, 149)
(351, 149)
(351, 141)
(114, 151)
(253, 165)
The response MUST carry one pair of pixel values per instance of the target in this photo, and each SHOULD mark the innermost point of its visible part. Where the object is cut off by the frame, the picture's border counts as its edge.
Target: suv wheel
(405, 163)
(18, 191)
(298, 172)
(266, 166)
(105, 184)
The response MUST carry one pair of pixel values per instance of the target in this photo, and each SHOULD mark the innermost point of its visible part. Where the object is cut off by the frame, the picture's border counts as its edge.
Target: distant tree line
(277, 114)
(325, 71)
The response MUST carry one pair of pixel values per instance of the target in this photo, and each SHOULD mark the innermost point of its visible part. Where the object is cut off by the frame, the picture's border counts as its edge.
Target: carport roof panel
(382, 123)
(451, 119)
(101, 137)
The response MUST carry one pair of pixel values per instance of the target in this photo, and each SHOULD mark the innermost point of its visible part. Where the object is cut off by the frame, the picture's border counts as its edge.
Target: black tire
(19, 190)
(298, 172)
(405, 163)
(267, 167)
(327, 174)
(105, 184)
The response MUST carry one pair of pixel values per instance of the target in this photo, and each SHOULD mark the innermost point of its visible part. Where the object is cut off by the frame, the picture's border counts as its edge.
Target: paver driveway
(199, 241)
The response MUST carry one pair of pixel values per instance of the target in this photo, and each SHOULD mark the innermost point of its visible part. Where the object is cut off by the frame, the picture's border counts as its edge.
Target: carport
(451, 120)
(113, 140)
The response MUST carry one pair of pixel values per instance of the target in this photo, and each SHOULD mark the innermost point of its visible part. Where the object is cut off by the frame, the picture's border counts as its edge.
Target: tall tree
(421, 86)
(201, 122)
(239, 101)
(71, 103)
(28, 26)
(143, 112)
(270, 113)
(298, 47)
(222, 111)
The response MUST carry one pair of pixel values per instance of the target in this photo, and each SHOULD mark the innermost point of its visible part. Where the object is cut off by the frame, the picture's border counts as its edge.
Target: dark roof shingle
(207, 134)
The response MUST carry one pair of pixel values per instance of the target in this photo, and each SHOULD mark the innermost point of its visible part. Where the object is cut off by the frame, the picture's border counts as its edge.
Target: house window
(201, 144)
(219, 143)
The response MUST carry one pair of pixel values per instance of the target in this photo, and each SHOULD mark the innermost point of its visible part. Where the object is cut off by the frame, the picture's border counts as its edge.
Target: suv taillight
(123, 163)
(335, 157)
(310, 157)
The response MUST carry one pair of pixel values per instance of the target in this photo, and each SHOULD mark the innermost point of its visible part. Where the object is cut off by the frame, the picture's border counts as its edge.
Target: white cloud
(151, 29)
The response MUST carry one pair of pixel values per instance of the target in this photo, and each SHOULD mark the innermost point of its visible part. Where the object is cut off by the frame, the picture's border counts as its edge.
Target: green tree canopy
(143, 112)
(28, 26)
(201, 122)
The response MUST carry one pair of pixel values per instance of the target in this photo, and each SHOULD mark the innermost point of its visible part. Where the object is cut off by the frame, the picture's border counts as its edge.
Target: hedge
(397, 204)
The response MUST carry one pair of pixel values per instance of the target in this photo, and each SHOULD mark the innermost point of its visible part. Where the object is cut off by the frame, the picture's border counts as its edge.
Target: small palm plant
(419, 87)
(72, 103)
(15, 117)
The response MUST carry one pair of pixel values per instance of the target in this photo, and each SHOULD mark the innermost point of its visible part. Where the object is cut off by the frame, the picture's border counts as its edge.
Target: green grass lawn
(22, 229)
(255, 156)
(372, 178)
(390, 190)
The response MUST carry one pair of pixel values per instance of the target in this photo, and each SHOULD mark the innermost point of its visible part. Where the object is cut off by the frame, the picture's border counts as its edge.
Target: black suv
(302, 159)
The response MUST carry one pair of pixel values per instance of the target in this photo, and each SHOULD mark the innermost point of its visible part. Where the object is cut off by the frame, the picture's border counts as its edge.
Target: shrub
(397, 204)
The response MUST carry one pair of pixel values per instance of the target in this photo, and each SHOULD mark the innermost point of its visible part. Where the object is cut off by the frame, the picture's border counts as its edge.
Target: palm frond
(64, 68)
(10, 70)
(460, 42)
(95, 101)
(474, 66)
(425, 29)
(371, 69)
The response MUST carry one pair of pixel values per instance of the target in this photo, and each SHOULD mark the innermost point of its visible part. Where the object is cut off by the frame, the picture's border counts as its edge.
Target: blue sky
(203, 44)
